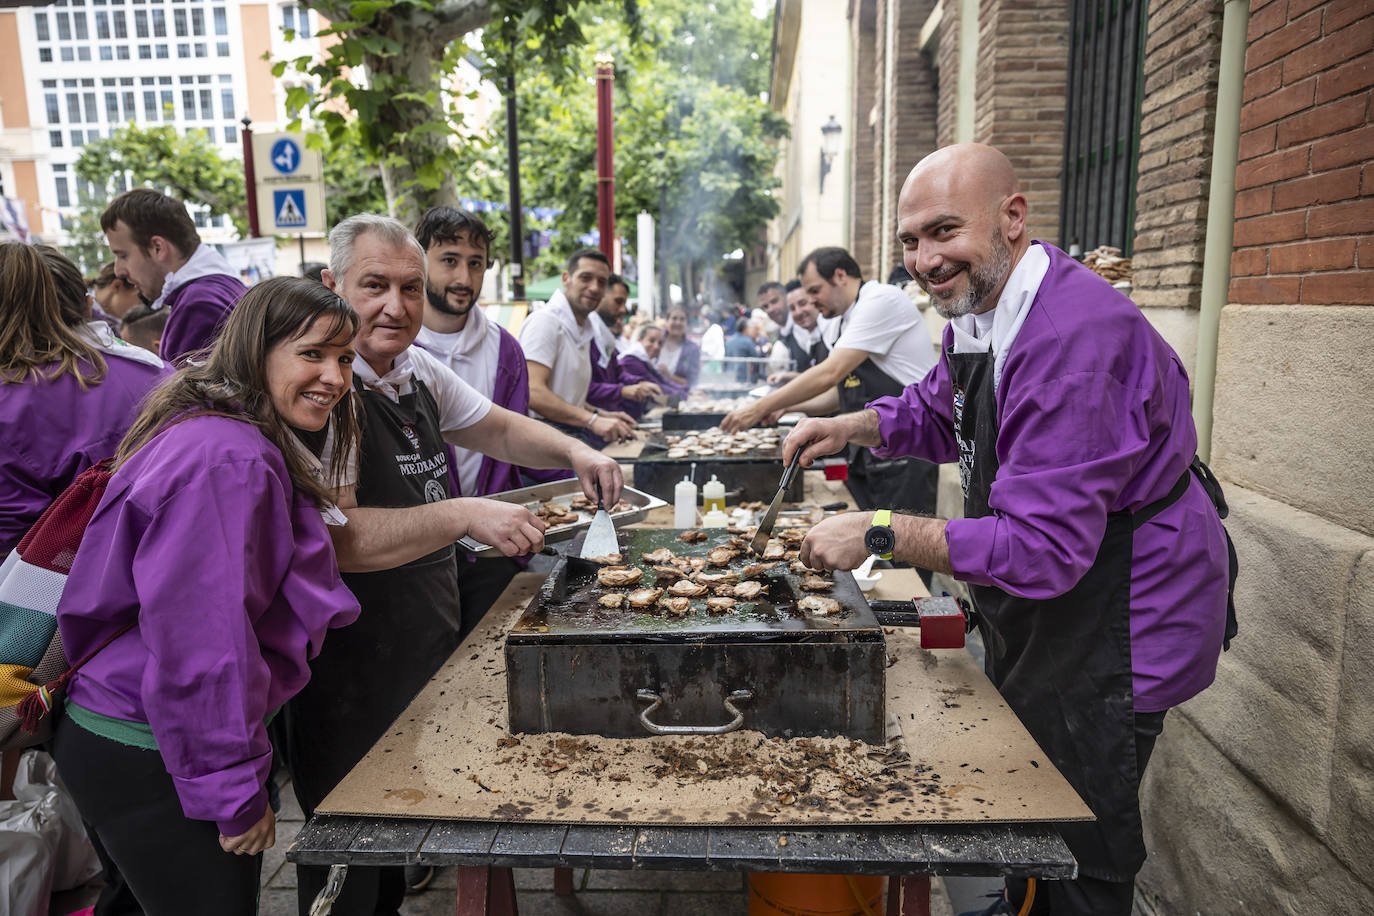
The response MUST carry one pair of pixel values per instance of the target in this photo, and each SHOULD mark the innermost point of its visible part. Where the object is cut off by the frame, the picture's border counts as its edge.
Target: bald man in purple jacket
(1091, 539)
(156, 248)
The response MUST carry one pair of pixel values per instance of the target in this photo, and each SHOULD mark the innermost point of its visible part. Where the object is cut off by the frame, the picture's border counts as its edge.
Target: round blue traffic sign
(286, 156)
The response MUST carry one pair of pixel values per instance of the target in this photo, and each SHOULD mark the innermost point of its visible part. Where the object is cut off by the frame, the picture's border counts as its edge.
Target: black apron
(900, 484)
(1063, 664)
(801, 356)
(368, 672)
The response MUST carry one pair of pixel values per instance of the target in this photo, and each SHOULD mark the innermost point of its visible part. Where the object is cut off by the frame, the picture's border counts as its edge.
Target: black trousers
(172, 864)
(481, 580)
(1090, 896)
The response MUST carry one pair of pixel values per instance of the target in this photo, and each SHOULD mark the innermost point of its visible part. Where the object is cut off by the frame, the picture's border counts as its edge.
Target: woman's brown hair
(42, 304)
(233, 378)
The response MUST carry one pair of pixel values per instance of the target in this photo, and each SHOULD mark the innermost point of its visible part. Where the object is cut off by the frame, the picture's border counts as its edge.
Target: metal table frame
(487, 851)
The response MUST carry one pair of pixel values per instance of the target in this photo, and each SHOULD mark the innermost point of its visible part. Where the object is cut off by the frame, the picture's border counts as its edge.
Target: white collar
(605, 340)
(462, 342)
(561, 309)
(99, 335)
(396, 379)
(205, 261)
(637, 350)
(1022, 285)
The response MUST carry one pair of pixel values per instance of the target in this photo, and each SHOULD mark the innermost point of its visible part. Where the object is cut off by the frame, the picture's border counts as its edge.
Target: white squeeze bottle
(713, 496)
(685, 504)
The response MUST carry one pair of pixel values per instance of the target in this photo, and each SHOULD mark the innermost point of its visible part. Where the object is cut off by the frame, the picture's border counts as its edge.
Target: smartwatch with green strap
(879, 539)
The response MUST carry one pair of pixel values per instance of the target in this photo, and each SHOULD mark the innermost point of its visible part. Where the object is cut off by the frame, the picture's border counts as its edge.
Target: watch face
(879, 540)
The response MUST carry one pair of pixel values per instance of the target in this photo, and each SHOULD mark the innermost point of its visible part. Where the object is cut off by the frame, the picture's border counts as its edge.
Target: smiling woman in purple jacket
(68, 387)
(212, 540)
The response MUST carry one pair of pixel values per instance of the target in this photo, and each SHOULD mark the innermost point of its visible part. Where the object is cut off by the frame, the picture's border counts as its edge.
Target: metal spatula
(765, 531)
(601, 540)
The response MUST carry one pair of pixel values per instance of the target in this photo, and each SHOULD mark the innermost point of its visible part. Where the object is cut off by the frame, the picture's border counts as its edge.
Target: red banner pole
(605, 156)
(250, 181)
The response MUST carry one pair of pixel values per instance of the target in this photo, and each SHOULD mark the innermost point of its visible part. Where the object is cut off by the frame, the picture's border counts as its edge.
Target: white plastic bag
(43, 845)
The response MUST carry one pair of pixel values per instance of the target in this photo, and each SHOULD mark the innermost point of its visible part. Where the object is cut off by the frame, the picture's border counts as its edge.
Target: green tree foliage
(187, 166)
(691, 129)
(352, 185)
(407, 48)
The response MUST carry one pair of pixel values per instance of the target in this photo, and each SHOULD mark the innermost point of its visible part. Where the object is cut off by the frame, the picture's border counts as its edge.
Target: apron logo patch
(409, 432)
(435, 491)
(852, 382)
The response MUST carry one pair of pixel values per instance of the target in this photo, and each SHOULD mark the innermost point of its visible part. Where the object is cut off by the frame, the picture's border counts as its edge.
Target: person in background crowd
(557, 342)
(314, 270)
(1090, 536)
(211, 541)
(457, 246)
(637, 364)
(69, 389)
(680, 359)
(143, 327)
(608, 388)
(879, 344)
(156, 248)
(397, 548)
(712, 340)
(114, 296)
(743, 344)
(798, 344)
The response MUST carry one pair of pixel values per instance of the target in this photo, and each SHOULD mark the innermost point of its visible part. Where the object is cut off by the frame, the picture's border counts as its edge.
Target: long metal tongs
(770, 519)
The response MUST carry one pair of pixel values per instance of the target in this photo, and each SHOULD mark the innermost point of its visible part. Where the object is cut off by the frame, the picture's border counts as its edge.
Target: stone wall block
(1293, 416)
(1351, 829)
(1219, 844)
(1272, 710)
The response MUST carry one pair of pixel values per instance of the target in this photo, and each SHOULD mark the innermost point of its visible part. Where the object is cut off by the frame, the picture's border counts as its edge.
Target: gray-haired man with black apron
(396, 550)
(1091, 538)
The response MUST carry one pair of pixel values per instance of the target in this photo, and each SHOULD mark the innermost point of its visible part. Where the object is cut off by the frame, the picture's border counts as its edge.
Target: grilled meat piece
(667, 574)
(661, 555)
(611, 600)
(815, 604)
(644, 597)
(754, 570)
(815, 583)
(694, 536)
(720, 605)
(721, 556)
(717, 578)
(748, 590)
(686, 588)
(618, 576)
(678, 607)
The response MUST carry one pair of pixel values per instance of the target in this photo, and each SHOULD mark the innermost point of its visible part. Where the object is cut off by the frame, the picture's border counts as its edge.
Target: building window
(145, 52)
(210, 134)
(79, 20)
(106, 52)
(121, 25)
(73, 108)
(303, 21)
(159, 23)
(102, 25)
(83, 52)
(226, 101)
(179, 20)
(288, 18)
(198, 22)
(202, 50)
(222, 48)
(64, 26)
(141, 23)
(184, 49)
(45, 55)
(221, 20)
(122, 52)
(67, 55)
(112, 106)
(78, 138)
(40, 24)
(1102, 125)
(207, 110)
(54, 109)
(150, 105)
(168, 106)
(231, 134)
(92, 109)
(163, 51)
(64, 197)
(54, 138)
(188, 104)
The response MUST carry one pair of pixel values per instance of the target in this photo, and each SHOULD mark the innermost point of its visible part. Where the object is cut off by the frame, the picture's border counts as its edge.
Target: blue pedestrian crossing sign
(289, 208)
(286, 156)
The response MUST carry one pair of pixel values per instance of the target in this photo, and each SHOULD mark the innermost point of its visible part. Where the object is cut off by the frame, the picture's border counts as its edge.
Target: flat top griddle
(567, 610)
(656, 450)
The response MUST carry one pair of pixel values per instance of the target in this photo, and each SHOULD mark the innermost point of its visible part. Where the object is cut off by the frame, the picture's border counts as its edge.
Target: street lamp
(830, 146)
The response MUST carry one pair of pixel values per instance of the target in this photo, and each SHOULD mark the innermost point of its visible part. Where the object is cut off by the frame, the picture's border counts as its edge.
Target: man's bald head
(962, 224)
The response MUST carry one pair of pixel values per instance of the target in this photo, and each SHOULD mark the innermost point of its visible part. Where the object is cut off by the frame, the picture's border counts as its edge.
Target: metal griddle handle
(655, 701)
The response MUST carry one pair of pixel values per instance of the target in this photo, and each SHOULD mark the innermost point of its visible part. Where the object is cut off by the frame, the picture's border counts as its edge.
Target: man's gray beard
(981, 283)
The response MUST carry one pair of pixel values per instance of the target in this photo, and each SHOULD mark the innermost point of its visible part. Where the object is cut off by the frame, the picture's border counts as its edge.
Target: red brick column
(1305, 179)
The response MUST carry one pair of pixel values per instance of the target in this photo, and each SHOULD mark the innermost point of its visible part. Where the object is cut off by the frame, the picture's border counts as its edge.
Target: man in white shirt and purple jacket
(1091, 539)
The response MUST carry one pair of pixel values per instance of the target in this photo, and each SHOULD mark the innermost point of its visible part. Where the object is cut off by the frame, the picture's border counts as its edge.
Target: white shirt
(552, 337)
(885, 323)
(473, 354)
(998, 327)
(460, 405)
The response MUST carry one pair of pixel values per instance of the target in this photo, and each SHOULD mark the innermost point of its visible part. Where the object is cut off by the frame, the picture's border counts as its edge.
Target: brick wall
(1021, 80)
(1177, 118)
(947, 113)
(1304, 183)
(867, 137)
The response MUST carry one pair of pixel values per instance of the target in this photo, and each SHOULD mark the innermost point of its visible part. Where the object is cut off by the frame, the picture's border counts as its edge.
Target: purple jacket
(196, 313)
(689, 363)
(1093, 417)
(52, 430)
(511, 390)
(234, 583)
(604, 389)
(634, 370)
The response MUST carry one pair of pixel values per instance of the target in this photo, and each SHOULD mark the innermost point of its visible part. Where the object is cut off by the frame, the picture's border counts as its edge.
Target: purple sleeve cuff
(241, 824)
